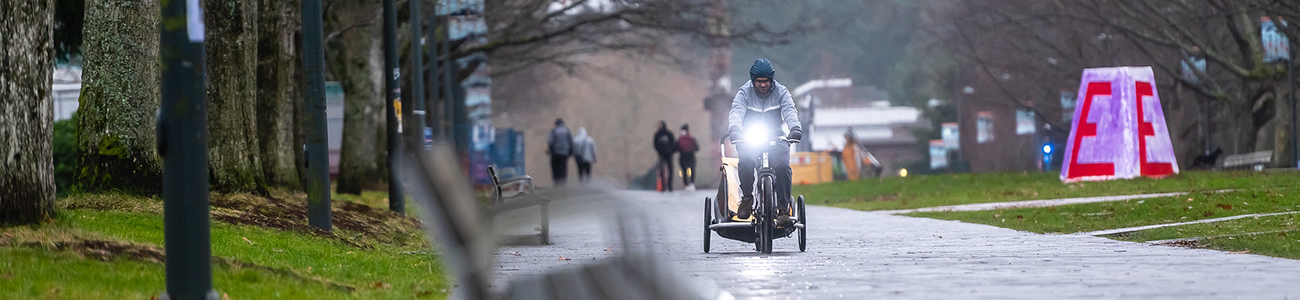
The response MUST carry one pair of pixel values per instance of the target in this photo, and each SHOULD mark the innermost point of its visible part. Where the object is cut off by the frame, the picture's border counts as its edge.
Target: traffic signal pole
(182, 142)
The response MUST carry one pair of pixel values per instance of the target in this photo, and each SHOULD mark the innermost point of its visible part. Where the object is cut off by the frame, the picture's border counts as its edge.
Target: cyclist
(764, 105)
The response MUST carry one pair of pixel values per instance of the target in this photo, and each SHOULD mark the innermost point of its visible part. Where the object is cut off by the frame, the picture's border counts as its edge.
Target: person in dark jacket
(687, 146)
(665, 145)
(560, 146)
(764, 106)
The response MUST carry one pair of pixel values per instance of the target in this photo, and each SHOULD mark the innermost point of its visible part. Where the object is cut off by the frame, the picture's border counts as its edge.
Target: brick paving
(871, 255)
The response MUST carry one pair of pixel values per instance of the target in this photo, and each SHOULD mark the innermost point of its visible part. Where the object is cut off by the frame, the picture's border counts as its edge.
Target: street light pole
(1290, 78)
(316, 151)
(432, 39)
(448, 95)
(417, 74)
(392, 72)
(182, 142)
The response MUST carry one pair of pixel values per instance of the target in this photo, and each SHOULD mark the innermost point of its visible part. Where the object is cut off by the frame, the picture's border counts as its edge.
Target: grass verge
(107, 246)
(955, 189)
(1272, 235)
(1280, 239)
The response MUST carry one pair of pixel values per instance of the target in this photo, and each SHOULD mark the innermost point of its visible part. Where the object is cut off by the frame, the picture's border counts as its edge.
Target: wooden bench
(462, 226)
(1256, 160)
(516, 193)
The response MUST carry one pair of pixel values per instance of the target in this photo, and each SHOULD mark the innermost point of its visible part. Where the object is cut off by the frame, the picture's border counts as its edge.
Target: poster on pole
(938, 155)
(984, 127)
(1025, 123)
(1276, 47)
(951, 136)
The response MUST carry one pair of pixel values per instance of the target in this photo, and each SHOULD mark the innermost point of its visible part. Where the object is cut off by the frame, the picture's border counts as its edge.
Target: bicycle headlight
(756, 136)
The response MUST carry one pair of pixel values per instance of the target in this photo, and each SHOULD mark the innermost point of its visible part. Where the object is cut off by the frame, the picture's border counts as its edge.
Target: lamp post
(182, 142)
(392, 73)
(316, 150)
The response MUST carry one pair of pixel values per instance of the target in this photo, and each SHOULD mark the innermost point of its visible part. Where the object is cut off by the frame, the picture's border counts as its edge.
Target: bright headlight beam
(756, 135)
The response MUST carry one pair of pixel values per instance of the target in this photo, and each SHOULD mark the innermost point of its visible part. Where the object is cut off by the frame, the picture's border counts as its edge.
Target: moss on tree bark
(119, 98)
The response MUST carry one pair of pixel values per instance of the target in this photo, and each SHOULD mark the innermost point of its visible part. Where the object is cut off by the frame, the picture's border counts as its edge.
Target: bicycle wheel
(803, 220)
(768, 205)
(707, 221)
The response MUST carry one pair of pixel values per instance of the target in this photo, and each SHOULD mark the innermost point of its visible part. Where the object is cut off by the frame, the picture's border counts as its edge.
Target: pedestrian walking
(584, 154)
(560, 146)
(687, 146)
(665, 144)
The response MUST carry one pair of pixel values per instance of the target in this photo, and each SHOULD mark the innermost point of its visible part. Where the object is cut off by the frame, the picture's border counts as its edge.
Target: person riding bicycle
(762, 106)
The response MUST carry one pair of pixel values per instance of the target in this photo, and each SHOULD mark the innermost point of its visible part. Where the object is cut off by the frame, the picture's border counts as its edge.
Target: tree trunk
(279, 22)
(233, 154)
(355, 61)
(1282, 156)
(119, 98)
(26, 111)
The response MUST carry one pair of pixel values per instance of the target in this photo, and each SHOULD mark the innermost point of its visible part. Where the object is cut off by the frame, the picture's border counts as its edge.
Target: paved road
(864, 255)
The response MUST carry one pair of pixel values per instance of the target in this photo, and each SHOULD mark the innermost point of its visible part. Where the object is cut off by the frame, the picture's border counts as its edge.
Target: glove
(734, 133)
(796, 133)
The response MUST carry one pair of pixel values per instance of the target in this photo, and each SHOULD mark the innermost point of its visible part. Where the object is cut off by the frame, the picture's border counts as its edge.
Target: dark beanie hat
(762, 68)
(686, 127)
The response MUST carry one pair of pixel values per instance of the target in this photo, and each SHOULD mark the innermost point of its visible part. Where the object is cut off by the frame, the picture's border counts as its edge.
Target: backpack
(687, 144)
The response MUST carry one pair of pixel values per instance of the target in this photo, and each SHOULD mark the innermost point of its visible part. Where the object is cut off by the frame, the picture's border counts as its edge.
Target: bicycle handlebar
(779, 138)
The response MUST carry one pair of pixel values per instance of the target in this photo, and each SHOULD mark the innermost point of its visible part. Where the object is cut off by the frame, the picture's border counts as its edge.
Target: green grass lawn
(1121, 214)
(1252, 192)
(954, 189)
(1280, 238)
(253, 262)
(1272, 235)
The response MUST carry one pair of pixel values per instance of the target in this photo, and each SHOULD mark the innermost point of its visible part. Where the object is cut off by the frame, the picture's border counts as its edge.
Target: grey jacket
(584, 146)
(748, 109)
(560, 143)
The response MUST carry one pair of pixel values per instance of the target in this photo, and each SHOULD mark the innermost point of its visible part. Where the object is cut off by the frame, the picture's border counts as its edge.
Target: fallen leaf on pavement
(607, 249)
(563, 258)
(515, 253)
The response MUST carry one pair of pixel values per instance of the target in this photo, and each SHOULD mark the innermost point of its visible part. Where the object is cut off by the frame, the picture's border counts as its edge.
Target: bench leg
(546, 224)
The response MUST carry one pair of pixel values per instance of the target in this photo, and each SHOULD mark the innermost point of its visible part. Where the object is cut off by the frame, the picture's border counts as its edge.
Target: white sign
(938, 155)
(1025, 121)
(984, 127)
(951, 135)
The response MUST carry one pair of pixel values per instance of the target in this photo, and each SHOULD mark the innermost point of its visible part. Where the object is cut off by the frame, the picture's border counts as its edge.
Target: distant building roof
(865, 116)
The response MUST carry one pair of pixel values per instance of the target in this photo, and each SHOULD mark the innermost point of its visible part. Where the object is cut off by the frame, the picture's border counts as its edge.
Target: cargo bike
(761, 228)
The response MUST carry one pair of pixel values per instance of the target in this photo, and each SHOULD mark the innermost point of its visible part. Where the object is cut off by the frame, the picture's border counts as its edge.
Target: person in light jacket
(584, 152)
